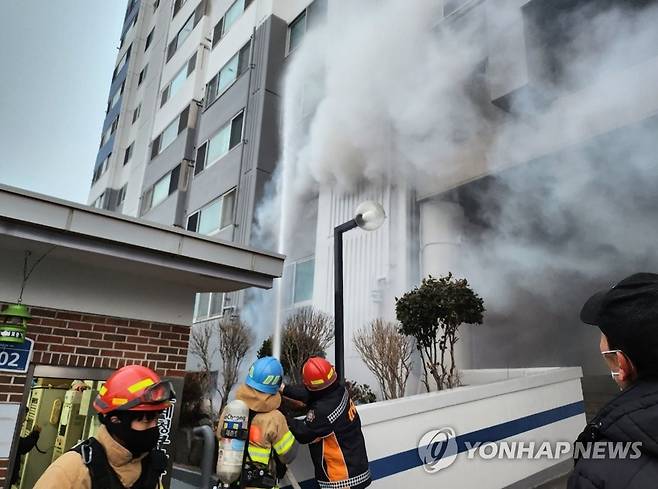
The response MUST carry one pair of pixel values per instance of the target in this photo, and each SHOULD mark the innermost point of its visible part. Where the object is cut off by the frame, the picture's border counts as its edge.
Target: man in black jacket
(332, 428)
(25, 444)
(619, 448)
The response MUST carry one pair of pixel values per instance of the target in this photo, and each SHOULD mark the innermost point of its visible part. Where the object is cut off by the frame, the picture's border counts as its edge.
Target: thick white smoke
(385, 92)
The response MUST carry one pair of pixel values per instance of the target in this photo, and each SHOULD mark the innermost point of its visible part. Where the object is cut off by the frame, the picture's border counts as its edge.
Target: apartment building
(192, 137)
(191, 134)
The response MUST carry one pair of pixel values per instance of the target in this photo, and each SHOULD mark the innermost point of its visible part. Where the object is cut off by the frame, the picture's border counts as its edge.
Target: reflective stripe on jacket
(332, 427)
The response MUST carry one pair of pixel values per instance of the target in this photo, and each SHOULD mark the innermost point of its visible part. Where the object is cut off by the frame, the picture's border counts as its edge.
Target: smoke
(387, 93)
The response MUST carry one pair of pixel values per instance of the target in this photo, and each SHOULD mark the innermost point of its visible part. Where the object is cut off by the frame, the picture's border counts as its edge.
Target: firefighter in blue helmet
(271, 444)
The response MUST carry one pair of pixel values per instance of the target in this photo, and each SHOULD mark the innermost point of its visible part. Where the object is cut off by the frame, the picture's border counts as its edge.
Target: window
(208, 305)
(99, 203)
(156, 4)
(227, 138)
(296, 31)
(136, 112)
(149, 39)
(178, 80)
(230, 17)
(162, 189)
(124, 59)
(100, 169)
(129, 153)
(177, 5)
(142, 75)
(186, 30)
(213, 217)
(121, 196)
(230, 72)
(298, 282)
(110, 130)
(170, 133)
(116, 98)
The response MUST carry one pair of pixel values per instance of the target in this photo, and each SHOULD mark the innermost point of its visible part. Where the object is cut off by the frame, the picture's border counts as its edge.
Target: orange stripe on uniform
(334, 460)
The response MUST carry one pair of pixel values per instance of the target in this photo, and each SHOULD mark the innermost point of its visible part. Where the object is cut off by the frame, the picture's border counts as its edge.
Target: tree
(235, 340)
(229, 340)
(204, 348)
(306, 332)
(432, 314)
(387, 354)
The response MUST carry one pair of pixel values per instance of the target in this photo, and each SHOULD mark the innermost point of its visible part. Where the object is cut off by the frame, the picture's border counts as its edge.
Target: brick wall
(69, 339)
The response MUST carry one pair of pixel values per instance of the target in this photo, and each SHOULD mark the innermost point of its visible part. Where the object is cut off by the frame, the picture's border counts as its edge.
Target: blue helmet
(265, 375)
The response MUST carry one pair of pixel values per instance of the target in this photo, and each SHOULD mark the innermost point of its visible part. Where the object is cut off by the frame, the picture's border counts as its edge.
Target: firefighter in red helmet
(332, 428)
(123, 453)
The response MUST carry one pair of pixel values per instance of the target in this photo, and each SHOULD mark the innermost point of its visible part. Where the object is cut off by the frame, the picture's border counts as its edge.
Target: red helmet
(318, 374)
(134, 388)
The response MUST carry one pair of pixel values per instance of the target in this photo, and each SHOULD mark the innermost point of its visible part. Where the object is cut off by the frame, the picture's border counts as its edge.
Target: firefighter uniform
(269, 436)
(332, 428)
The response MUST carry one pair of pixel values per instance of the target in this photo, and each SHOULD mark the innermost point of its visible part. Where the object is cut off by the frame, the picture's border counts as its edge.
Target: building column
(441, 225)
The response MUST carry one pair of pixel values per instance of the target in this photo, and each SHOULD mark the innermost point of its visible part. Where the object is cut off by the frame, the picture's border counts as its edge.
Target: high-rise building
(512, 142)
(191, 133)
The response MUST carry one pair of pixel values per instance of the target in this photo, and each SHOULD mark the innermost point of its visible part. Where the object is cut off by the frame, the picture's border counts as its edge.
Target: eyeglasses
(153, 394)
(612, 352)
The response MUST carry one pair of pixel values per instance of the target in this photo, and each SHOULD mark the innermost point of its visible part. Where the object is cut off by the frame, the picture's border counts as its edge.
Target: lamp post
(369, 216)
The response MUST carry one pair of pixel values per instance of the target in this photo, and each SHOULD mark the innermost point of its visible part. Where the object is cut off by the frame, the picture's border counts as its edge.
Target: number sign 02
(16, 358)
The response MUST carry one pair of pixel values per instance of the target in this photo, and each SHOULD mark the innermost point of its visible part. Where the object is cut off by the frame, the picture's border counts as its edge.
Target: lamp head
(370, 215)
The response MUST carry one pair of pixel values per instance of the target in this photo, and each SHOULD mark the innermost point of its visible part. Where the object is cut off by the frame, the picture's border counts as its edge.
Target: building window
(177, 6)
(129, 153)
(296, 31)
(142, 75)
(186, 30)
(99, 203)
(214, 216)
(136, 112)
(156, 4)
(298, 282)
(162, 189)
(209, 305)
(149, 39)
(122, 62)
(178, 80)
(121, 196)
(109, 131)
(230, 72)
(230, 17)
(100, 169)
(170, 133)
(227, 138)
(116, 98)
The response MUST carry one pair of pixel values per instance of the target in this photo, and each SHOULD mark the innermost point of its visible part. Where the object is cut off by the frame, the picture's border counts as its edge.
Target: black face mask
(137, 442)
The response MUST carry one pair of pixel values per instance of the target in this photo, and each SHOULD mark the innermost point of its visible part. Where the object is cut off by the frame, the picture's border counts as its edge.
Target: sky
(56, 58)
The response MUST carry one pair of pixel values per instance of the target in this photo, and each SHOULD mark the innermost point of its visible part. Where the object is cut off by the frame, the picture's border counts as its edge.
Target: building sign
(15, 357)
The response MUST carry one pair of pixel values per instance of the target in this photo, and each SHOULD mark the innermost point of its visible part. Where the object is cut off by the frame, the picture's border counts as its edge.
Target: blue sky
(56, 60)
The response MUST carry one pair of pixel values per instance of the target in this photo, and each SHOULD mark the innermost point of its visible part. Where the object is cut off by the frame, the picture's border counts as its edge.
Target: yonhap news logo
(437, 449)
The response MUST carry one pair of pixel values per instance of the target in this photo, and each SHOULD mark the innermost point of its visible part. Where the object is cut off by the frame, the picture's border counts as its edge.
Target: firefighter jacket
(332, 427)
(269, 430)
(70, 472)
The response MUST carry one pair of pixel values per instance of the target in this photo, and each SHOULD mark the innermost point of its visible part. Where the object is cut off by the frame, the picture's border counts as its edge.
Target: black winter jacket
(629, 418)
(332, 427)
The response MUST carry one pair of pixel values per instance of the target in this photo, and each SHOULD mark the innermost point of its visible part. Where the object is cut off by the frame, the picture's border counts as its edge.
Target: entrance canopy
(100, 262)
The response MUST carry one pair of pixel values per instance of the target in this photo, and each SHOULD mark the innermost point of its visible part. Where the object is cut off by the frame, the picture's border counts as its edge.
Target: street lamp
(369, 216)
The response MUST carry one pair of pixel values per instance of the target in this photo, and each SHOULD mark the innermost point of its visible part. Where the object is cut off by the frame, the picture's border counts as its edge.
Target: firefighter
(271, 444)
(332, 428)
(123, 453)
